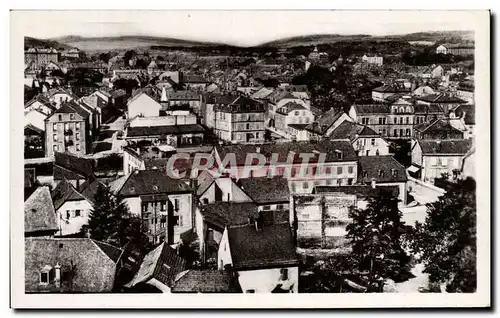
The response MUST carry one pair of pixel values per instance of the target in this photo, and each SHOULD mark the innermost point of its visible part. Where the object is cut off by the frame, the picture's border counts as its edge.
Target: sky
(243, 28)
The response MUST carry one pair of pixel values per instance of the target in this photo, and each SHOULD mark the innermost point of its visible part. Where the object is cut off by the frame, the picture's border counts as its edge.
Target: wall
(362, 145)
(431, 167)
(164, 121)
(265, 280)
(131, 163)
(74, 223)
(426, 192)
(62, 138)
(224, 253)
(134, 205)
(143, 105)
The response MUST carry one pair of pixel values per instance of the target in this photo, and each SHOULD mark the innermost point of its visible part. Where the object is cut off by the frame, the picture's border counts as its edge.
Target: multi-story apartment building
(40, 57)
(241, 121)
(67, 130)
(292, 113)
(165, 205)
(373, 59)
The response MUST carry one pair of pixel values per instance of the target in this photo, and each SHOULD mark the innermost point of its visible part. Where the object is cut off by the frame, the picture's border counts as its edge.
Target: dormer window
(45, 275)
(72, 116)
(338, 154)
(394, 173)
(380, 173)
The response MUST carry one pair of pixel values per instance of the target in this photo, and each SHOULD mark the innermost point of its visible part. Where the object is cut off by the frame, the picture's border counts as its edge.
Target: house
(73, 169)
(292, 113)
(465, 91)
(446, 101)
(339, 167)
(40, 103)
(34, 139)
(437, 129)
(165, 205)
(365, 141)
(135, 158)
(205, 281)
(171, 135)
(213, 218)
(380, 94)
(441, 49)
(194, 82)
(455, 49)
(58, 96)
(68, 130)
(70, 265)
(143, 105)
(241, 121)
(323, 126)
(211, 100)
(271, 195)
(424, 113)
(159, 269)
(218, 189)
(433, 158)
(373, 59)
(39, 214)
(41, 57)
(263, 256)
(192, 99)
(73, 206)
(383, 171)
(463, 118)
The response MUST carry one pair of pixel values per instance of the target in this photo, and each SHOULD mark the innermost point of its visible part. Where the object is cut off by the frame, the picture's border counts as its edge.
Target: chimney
(374, 183)
(57, 279)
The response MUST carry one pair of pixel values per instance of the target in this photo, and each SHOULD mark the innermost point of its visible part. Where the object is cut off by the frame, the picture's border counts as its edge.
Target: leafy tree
(376, 234)
(446, 241)
(105, 57)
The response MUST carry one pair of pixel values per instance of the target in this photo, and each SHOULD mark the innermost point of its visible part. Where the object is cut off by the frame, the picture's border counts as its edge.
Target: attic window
(380, 173)
(394, 173)
(338, 154)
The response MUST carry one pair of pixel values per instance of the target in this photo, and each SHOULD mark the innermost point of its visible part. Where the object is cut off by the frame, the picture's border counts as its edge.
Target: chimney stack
(57, 279)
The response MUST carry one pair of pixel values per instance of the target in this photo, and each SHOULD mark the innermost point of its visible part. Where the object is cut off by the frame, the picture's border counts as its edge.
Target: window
(180, 221)
(339, 170)
(248, 126)
(395, 132)
(54, 127)
(77, 136)
(349, 181)
(77, 212)
(305, 185)
(328, 170)
(60, 117)
(163, 205)
(56, 147)
(68, 214)
(292, 185)
(329, 181)
(72, 116)
(407, 131)
(373, 141)
(284, 274)
(54, 137)
(176, 204)
(401, 131)
(279, 207)
(267, 207)
(78, 148)
(407, 120)
(144, 207)
(350, 169)
(257, 135)
(44, 278)
(77, 126)
(296, 113)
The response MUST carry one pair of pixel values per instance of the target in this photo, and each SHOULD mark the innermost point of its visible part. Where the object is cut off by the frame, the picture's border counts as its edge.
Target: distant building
(455, 49)
(373, 59)
(40, 57)
(292, 113)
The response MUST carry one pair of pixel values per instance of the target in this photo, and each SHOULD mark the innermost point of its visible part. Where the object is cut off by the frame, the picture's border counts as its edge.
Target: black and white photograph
(339, 155)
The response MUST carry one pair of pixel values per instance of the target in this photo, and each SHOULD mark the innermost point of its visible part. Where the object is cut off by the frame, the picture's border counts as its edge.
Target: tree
(376, 234)
(105, 57)
(446, 241)
(110, 220)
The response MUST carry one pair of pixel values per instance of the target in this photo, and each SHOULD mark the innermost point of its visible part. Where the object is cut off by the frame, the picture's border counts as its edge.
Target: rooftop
(445, 147)
(150, 182)
(223, 214)
(39, 213)
(383, 169)
(266, 190)
(351, 131)
(205, 281)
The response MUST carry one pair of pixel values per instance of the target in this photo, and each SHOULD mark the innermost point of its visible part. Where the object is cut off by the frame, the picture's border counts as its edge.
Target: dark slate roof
(266, 190)
(183, 95)
(205, 281)
(89, 189)
(63, 192)
(39, 213)
(428, 109)
(470, 113)
(146, 182)
(390, 89)
(271, 246)
(289, 107)
(94, 269)
(441, 98)
(29, 130)
(372, 109)
(70, 107)
(321, 124)
(382, 168)
(298, 126)
(437, 125)
(361, 191)
(113, 252)
(329, 147)
(162, 263)
(445, 147)
(164, 130)
(350, 130)
(241, 104)
(223, 214)
(79, 166)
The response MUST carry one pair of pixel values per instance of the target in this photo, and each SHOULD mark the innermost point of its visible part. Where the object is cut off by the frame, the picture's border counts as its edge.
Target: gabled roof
(39, 213)
(41, 99)
(381, 168)
(262, 93)
(325, 121)
(270, 247)
(441, 98)
(428, 109)
(205, 281)
(266, 190)
(33, 129)
(65, 191)
(289, 107)
(151, 182)
(391, 89)
(183, 95)
(82, 256)
(74, 167)
(221, 214)
(437, 125)
(71, 107)
(162, 264)
(241, 104)
(445, 147)
(350, 130)
(372, 109)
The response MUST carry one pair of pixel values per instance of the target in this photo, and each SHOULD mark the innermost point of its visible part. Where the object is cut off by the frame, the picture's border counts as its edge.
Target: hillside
(42, 43)
(432, 36)
(96, 44)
